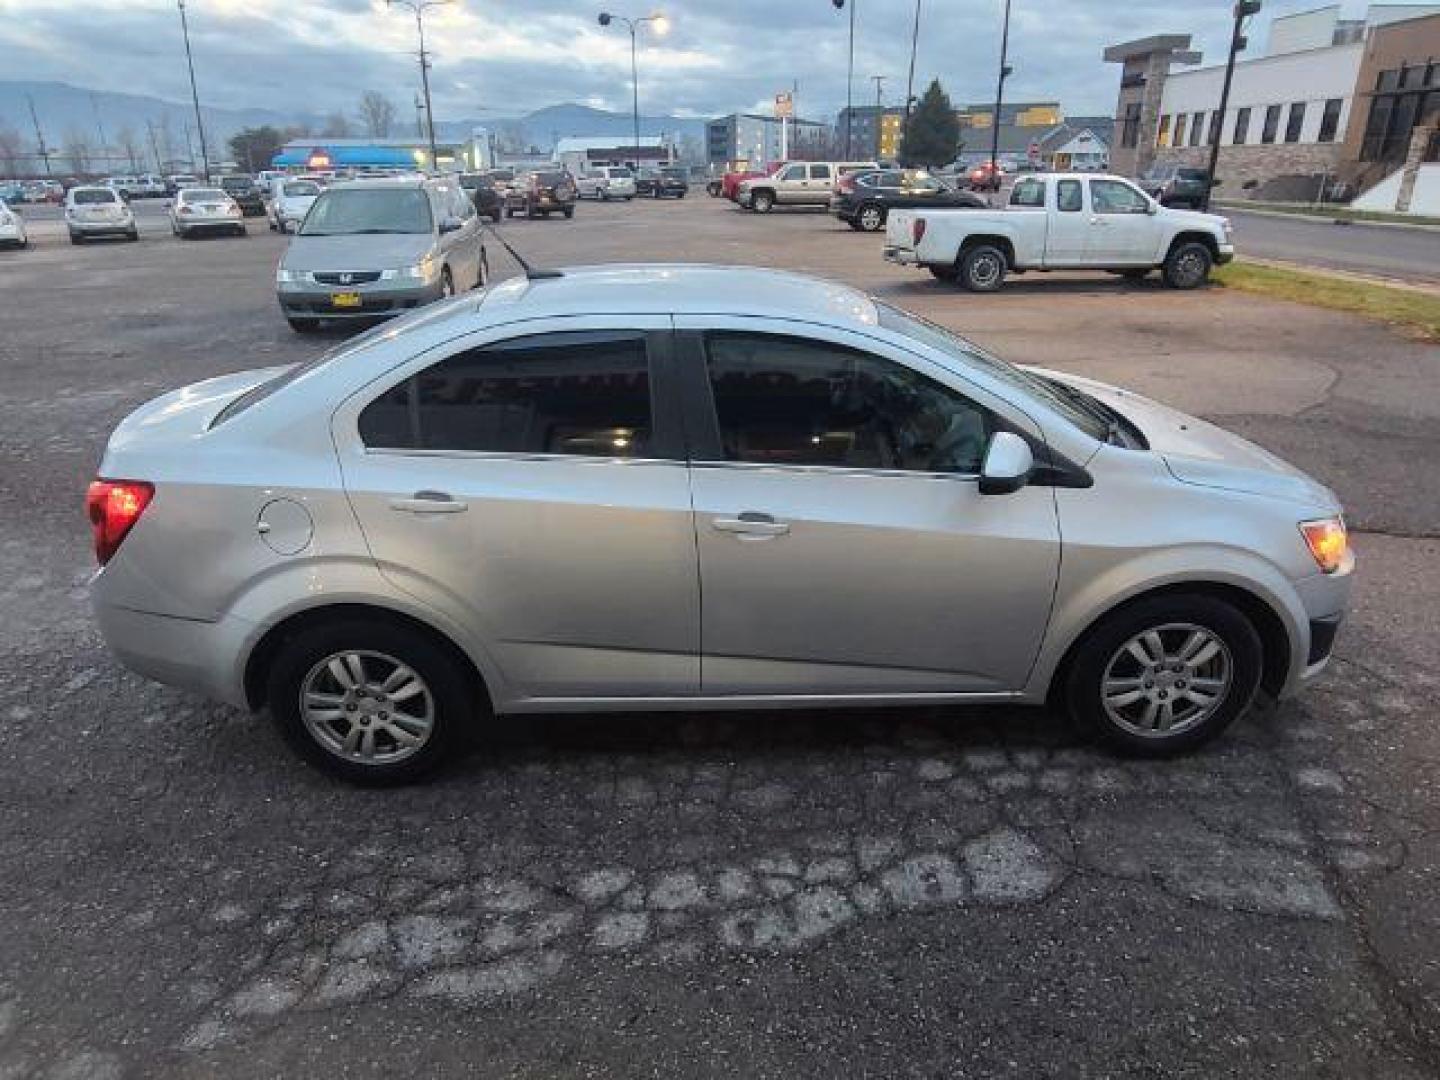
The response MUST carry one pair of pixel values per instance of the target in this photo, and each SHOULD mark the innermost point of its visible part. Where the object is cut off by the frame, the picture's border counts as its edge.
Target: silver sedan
(513, 502)
(202, 210)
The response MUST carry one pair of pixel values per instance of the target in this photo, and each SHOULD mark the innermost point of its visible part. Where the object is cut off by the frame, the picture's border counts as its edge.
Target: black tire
(569, 212)
(1174, 616)
(1188, 265)
(133, 235)
(762, 202)
(303, 326)
(871, 218)
(495, 217)
(483, 274)
(982, 268)
(853, 224)
(447, 284)
(76, 238)
(451, 697)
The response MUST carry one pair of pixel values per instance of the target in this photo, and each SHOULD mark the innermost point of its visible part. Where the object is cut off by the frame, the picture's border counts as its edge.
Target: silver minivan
(371, 249)
(699, 487)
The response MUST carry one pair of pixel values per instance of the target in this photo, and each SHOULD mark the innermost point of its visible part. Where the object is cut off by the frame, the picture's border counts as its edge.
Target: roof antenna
(531, 273)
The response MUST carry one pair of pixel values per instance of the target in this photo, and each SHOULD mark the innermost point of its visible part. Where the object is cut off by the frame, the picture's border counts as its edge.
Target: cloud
(507, 57)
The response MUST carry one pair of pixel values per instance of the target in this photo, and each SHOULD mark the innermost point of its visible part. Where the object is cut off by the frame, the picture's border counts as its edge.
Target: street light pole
(999, 99)
(419, 7)
(1243, 10)
(661, 24)
(910, 79)
(194, 93)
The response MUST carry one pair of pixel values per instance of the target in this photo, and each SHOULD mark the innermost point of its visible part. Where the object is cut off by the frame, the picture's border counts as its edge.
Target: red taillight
(113, 507)
(917, 231)
(846, 185)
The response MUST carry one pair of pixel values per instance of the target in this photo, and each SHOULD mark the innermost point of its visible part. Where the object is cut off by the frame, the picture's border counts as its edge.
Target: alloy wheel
(1166, 680)
(367, 707)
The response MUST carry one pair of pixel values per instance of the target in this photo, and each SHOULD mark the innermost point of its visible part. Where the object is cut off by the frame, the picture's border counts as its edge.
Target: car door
(530, 485)
(790, 184)
(819, 184)
(1123, 232)
(1067, 238)
(844, 545)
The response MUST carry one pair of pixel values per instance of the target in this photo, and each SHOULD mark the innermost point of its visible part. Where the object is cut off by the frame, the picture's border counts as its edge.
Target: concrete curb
(1325, 219)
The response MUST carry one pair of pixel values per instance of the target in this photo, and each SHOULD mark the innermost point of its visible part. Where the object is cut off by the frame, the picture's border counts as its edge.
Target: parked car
(863, 200)
(730, 182)
(92, 210)
(246, 195)
(800, 183)
(45, 191)
(375, 248)
(1064, 221)
(606, 182)
(488, 200)
(987, 176)
(388, 543)
(12, 227)
(1177, 185)
(290, 200)
(199, 210)
(540, 193)
(667, 182)
(148, 186)
(176, 181)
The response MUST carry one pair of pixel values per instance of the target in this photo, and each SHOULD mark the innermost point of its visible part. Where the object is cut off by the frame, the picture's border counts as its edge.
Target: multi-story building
(756, 139)
(1298, 115)
(877, 131)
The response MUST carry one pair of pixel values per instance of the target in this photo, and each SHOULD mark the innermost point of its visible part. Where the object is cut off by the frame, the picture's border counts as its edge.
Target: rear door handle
(429, 502)
(750, 524)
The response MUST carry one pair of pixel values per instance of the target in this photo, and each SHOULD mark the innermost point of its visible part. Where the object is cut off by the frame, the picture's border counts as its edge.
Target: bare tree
(77, 151)
(336, 126)
(12, 149)
(129, 144)
(377, 113)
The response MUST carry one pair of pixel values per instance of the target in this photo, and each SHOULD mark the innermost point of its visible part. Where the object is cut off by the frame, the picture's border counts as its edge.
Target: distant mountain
(64, 109)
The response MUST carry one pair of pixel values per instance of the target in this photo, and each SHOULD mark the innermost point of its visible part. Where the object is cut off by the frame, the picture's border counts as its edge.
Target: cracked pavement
(872, 892)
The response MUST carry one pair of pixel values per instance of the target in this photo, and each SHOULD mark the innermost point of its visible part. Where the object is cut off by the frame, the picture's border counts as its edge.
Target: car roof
(680, 288)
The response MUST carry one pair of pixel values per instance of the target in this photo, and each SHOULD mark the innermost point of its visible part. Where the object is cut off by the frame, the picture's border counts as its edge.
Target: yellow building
(891, 131)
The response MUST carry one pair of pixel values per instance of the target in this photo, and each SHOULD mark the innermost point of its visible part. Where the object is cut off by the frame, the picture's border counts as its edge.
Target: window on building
(1130, 132)
(1180, 119)
(1197, 125)
(1213, 135)
(586, 394)
(1396, 111)
(792, 401)
(1272, 124)
(1242, 127)
(1296, 122)
(1163, 139)
(1330, 119)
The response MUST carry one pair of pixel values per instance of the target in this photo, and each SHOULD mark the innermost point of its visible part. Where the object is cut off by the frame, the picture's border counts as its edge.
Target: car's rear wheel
(762, 202)
(370, 702)
(482, 275)
(982, 268)
(569, 212)
(76, 238)
(1165, 674)
(872, 218)
(1188, 265)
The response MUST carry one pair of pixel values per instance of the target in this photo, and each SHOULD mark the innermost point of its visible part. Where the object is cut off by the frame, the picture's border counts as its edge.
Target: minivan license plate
(345, 299)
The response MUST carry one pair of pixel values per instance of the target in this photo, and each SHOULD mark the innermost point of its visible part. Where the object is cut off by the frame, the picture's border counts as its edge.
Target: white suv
(606, 182)
(801, 183)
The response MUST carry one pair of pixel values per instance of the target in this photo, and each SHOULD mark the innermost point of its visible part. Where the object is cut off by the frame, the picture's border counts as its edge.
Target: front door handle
(750, 524)
(429, 502)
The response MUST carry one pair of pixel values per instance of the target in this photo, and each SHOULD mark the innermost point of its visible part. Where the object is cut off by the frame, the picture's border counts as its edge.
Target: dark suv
(540, 194)
(488, 200)
(1177, 185)
(658, 183)
(243, 190)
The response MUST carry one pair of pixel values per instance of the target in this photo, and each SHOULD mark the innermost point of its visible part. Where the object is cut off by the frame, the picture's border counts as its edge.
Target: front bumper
(1225, 254)
(305, 300)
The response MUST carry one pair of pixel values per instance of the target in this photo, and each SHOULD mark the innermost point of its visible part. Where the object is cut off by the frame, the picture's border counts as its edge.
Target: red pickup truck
(730, 182)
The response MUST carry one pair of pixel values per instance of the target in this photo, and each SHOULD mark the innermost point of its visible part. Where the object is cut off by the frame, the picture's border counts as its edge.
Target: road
(1407, 254)
(887, 893)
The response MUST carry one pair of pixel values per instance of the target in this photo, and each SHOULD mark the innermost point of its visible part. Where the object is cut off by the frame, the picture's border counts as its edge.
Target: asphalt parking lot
(880, 893)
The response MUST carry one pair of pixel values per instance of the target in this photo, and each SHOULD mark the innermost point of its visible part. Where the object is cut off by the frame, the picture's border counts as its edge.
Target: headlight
(288, 277)
(1327, 542)
(424, 270)
(1228, 227)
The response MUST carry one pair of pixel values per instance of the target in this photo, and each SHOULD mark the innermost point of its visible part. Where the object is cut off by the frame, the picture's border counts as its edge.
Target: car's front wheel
(762, 202)
(370, 702)
(1188, 265)
(872, 218)
(1165, 674)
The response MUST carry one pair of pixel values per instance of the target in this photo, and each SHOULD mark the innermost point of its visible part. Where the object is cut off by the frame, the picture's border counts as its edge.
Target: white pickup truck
(1062, 221)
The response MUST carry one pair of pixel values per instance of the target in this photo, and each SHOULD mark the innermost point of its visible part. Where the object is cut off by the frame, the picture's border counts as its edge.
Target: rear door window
(1029, 192)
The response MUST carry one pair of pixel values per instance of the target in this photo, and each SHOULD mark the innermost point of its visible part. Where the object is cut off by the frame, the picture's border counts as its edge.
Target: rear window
(550, 177)
(94, 196)
(203, 195)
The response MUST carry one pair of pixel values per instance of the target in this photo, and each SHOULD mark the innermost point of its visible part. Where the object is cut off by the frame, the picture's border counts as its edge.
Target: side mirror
(1008, 464)
(1152, 208)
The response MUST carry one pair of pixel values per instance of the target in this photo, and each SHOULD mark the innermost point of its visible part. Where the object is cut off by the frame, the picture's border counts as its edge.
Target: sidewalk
(1332, 215)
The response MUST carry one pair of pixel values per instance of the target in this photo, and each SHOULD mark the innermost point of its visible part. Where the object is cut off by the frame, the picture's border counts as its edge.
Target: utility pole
(44, 153)
(419, 7)
(194, 94)
(849, 79)
(1005, 71)
(99, 127)
(1243, 10)
(419, 117)
(910, 79)
(154, 146)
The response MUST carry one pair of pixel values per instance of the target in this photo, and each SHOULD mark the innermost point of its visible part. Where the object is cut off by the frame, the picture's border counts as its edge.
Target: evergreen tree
(933, 135)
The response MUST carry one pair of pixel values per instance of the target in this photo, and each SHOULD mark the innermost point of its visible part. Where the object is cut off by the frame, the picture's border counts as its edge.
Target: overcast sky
(506, 57)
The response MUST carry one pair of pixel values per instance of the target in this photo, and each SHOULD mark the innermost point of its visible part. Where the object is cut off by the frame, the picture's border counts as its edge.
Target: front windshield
(357, 210)
(952, 344)
(299, 188)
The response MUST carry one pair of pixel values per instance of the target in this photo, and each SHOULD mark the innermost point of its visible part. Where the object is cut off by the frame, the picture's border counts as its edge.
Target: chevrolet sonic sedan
(693, 487)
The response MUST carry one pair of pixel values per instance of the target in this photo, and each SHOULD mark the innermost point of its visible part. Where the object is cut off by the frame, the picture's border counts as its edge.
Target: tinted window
(1330, 119)
(1295, 122)
(1028, 193)
(343, 211)
(788, 401)
(1068, 197)
(301, 188)
(584, 393)
(819, 172)
(1272, 124)
(1113, 197)
(93, 196)
(1242, 126)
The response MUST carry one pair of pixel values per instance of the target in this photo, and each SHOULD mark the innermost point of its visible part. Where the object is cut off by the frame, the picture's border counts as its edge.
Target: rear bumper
(197, 224)
(188, 653)
(901, 256)
(102, 228)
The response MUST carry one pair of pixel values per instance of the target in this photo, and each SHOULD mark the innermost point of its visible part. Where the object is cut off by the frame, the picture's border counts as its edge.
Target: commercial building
(1297, 115)
(579, 154)
(324, 154)
(755, 139)
(877, 131)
